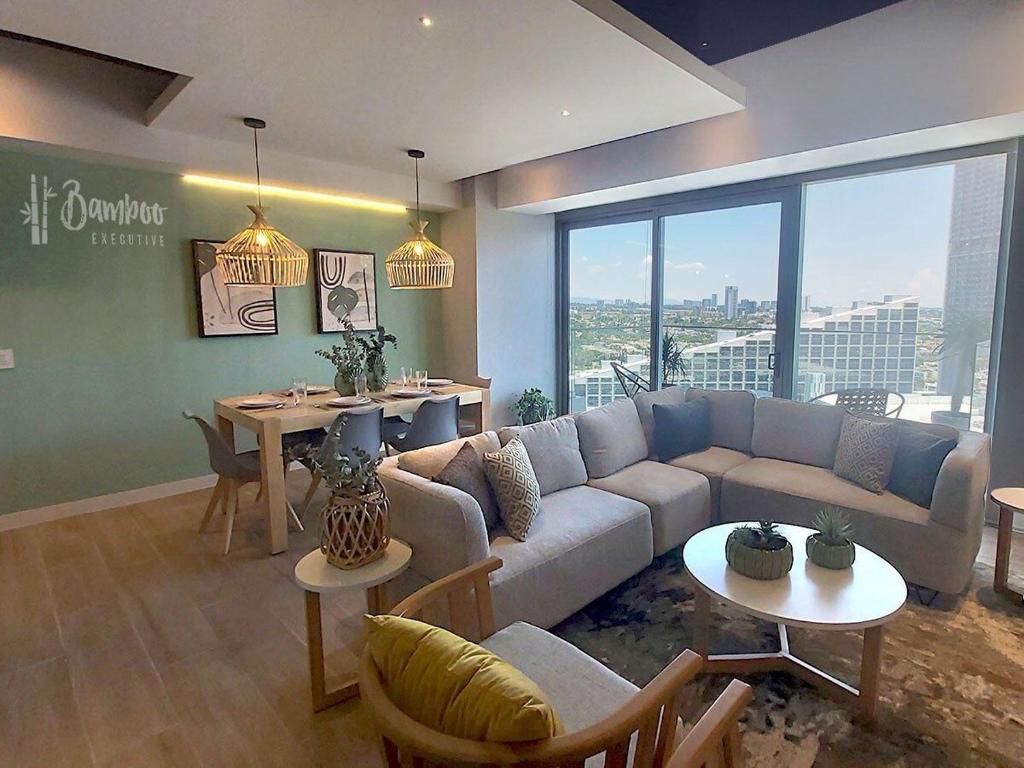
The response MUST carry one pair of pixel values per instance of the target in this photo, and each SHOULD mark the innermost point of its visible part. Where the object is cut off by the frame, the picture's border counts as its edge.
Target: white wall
(916, 76)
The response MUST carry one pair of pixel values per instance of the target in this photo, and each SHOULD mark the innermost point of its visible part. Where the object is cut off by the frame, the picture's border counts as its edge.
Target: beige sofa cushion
(428, 462)
(554, 449)
(802, 432)
(584, 542)
(732, 416)
(713, 463)
(679, 499)
(645, 402)
(611, 437)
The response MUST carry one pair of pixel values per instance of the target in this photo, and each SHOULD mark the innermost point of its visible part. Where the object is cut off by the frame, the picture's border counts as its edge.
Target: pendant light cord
(418, 216)
(256, 145)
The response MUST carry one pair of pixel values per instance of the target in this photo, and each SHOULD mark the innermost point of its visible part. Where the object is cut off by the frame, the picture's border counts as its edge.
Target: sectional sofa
(609, 507)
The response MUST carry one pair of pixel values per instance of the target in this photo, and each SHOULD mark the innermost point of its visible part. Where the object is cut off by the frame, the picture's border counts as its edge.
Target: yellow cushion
(455, 686)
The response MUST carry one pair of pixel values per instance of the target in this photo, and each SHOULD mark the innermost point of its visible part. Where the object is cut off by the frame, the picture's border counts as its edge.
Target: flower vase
(355, 529)
(376, 373)
(344, 383)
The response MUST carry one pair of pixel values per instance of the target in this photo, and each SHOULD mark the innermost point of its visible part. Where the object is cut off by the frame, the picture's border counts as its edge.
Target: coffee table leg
(322, 698)
(1003, 549)
(702, 622)
(870, 671)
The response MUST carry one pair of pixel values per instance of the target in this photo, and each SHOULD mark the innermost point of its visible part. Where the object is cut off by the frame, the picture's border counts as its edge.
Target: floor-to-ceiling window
(883, 276)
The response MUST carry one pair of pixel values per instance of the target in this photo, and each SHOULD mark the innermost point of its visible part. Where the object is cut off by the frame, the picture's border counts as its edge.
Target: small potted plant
(348, 358)
(760, 552)
(355, 526)
(376, 363)
(831, 546)
(532, 406)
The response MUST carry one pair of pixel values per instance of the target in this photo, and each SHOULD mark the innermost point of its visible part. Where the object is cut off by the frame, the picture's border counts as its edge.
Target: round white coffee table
(863, 597)
(316, 576)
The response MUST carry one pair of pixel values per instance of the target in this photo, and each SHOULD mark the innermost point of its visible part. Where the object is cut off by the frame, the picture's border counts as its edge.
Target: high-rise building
(714, 301)
(732, 297)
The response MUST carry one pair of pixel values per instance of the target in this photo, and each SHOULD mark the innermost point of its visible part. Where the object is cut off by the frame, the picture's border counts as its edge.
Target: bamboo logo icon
(36, 209)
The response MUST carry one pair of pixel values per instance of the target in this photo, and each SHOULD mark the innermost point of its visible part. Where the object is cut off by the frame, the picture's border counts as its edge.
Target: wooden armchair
(640, 732)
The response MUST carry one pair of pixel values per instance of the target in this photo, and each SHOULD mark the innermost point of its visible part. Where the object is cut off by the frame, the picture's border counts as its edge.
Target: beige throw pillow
(867, 448)
(515, 486)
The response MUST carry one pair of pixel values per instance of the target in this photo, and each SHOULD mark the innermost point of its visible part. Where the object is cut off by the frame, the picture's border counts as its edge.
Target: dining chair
(233, 470)
(352, 430)
(435, 421)
(467, 427)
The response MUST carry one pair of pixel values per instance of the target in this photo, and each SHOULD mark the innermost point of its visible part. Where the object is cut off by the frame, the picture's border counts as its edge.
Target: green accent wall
(104, 336)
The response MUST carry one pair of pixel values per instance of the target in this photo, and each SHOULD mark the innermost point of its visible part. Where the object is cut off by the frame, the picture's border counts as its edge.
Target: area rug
(951, 694)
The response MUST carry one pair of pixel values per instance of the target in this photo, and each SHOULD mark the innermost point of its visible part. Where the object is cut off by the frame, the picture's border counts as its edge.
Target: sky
(864, 237)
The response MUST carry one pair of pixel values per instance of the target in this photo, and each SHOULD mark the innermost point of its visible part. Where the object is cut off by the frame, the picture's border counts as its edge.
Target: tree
(673, 368)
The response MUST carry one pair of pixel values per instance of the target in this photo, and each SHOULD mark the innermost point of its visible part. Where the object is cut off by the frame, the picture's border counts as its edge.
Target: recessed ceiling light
(566, 113)
(426, 21)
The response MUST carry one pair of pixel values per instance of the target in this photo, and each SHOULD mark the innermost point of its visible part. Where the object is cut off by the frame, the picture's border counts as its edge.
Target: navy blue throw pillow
(919, 456)
(681, 428)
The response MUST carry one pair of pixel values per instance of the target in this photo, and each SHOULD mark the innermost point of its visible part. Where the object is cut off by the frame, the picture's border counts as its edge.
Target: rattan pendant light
(259, 254)
(418, 263)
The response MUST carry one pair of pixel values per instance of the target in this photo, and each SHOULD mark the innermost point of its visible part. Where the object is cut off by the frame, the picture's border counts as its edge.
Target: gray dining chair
(435, 421)
(233, 470)
(352, 430)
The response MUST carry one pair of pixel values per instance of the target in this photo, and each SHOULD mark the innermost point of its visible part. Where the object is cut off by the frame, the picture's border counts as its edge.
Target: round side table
(1009, 500)
(316, 576)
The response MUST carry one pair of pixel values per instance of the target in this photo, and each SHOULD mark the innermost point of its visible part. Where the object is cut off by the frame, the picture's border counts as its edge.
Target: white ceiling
(359, 81)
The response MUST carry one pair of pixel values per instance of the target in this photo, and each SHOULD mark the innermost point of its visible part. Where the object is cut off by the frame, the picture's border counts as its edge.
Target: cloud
(696, 267)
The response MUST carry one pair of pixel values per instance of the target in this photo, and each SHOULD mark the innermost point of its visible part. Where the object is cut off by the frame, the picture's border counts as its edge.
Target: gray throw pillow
(466, 472)
(867, 447)
(515, 485)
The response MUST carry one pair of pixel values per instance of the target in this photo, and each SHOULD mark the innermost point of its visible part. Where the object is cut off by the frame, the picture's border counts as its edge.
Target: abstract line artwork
(345, 286)
(229, 310)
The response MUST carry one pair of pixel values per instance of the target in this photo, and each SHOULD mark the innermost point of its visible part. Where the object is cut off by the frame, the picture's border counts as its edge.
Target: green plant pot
(376, 373)
(764, 564)
(344, 384)
(828, 556)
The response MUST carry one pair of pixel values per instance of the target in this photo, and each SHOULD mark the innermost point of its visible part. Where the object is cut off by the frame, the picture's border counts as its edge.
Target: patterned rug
(952, 689)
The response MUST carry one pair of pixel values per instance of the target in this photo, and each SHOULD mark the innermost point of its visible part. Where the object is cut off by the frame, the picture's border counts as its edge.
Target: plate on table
(439, 382)
(254, 403)
(350, 401)
(318, 389)
(411, 393)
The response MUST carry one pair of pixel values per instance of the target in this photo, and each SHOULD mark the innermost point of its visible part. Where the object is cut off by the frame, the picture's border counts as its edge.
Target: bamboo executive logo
(76, 211)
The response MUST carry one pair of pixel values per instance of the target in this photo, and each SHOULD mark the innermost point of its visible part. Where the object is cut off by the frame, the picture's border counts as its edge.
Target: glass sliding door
(609, 321)
(720, 297)
(898, 287)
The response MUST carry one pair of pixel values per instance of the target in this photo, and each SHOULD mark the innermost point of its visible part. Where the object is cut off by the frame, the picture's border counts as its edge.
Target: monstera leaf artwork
(345, 288)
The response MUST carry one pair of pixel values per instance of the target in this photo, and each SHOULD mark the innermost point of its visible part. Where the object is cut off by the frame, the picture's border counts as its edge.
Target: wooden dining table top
(315, 412)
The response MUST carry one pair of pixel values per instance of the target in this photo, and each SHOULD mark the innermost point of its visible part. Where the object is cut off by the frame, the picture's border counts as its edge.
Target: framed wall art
(229, 310)
(345, 284)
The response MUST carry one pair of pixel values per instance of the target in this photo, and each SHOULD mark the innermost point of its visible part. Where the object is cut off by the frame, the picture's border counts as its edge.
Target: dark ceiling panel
(718, 30)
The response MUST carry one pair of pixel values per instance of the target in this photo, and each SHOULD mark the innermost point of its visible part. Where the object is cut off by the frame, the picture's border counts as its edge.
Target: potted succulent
(348, 358)
(376, 363)
(760, 552)
(532, 406)
(355, 526)
(831, 546)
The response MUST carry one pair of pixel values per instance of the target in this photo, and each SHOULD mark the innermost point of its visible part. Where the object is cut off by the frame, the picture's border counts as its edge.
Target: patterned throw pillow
(867, 447)
(515, 485)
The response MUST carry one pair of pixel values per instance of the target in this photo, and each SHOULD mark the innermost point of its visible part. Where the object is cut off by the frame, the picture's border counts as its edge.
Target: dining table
(269, 424)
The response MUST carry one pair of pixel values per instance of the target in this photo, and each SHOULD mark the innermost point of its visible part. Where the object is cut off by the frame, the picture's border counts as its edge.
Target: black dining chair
(435, 421)
(233, 471)
(352, 430)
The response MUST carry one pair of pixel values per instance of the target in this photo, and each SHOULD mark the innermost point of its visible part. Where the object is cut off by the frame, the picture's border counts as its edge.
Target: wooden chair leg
(295, 517)
(259, 493)
(232, 511)
(314, 483)
(218, 492)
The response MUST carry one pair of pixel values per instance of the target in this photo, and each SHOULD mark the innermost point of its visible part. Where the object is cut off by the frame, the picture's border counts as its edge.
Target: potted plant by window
(831, 546)
(376, 363)
(760, 552)
(532, 406)
(355, 527)
(348, 359)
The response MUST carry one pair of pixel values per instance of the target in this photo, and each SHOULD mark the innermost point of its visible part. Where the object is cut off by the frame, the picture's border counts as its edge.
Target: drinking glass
(421, 379)
(299, 391)
(360, 384)
(406, 374)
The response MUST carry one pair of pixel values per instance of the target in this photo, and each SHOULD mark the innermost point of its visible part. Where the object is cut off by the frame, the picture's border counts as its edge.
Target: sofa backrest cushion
(554, 450)
(611, 438)
(732, 416)
(645, 402)
(429, 461)
(806, 433)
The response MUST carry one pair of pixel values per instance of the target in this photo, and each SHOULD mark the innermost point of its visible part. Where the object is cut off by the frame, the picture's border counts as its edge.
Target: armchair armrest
(962, 484)
(443, 525)
(717, 731)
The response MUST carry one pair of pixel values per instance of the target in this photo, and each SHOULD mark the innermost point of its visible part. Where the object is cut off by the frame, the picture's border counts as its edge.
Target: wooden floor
(127, 640)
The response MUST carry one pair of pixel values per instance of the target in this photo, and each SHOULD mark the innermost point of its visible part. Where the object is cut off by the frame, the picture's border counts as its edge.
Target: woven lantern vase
(419, 263)
(260, 255)
(355, 529)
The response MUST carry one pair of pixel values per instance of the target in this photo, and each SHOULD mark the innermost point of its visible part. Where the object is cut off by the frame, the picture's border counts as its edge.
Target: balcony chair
(874, 402)
(233, 471)
(435, 421)
(630, 381)
(603, 714)
(357, 428)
